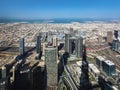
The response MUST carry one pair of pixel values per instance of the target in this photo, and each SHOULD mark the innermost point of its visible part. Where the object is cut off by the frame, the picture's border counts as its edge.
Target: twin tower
(74, 45)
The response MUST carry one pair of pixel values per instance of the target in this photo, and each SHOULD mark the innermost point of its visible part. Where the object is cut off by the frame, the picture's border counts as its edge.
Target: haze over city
(59, 45)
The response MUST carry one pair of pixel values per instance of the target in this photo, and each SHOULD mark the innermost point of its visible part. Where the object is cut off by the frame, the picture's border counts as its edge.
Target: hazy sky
(60, 8)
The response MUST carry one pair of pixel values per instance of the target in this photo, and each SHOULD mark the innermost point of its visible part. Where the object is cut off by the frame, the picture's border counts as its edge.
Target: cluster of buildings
(116, 41)
(47, 51)
(106, 66)
(37, 69)
(74, 45)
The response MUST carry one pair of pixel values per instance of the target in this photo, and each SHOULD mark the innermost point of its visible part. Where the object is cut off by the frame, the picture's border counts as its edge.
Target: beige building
(109, 36)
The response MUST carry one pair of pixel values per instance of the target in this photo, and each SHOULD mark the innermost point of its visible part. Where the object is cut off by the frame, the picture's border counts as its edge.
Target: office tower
(38, 45)
(99, 38)
(4, 72)
(72, 45)
(99, 61)
(43, 48)
(109, 68)
(51, 66)
(22, 47)
(79, 47)
(49, 38)
(55, 41)
(67, 36)
(109, 36)
(116, 45)
(116, 34)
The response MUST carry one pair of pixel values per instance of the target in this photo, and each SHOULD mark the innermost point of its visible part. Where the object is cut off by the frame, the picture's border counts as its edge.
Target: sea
(57, 20)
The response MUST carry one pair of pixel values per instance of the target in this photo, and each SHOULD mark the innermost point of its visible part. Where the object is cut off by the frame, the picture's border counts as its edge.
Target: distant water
(4, 20)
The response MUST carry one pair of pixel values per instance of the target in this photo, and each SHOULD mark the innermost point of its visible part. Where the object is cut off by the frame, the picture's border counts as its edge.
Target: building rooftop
(73, 38)
(94, 68)
(110, 63)
(100, 58)
(80, 63)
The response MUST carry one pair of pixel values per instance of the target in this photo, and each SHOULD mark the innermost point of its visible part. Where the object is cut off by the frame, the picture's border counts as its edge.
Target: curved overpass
(73, 85)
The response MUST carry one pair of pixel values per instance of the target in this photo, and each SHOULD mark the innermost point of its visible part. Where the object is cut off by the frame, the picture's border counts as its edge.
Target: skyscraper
(38, 45)
(99, 61)
(67, 36)
(49, 37)
(109, 68)
(99, 38)
(43, 48)
(109, 36)
(51, 66)
(116, 34)
(72, 45)
(55, 41)
(79, 47)
(4, 73)
(22, 46)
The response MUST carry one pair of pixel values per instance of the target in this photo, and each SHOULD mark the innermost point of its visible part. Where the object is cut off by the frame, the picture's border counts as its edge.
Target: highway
(69, 75)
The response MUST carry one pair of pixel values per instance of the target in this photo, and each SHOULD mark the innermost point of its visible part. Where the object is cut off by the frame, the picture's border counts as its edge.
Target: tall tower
(116, 34)
(49, 37)
(67, 36)
(55, 41)
(109, 36)
(38, 45)
(72, 45)
(43, 48)
(51, 66)
(79, 47)
(99, 38)
(22, 46)
(4, 73)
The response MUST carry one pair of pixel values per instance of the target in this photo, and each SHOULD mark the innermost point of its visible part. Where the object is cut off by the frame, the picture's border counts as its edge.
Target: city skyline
(34, 9)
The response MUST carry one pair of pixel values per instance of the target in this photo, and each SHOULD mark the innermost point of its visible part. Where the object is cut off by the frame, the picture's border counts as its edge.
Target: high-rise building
(116, 45)
(55, 41)
(49, 38)
(99, 61)
(109, 36)
(99, 38)
(22, 46)
(109, 68)
(79, 47)
(4, 72)
(51, 66)
(43, 48)
(72, 45)
(67, 36)
(116, 34)
(38, 45)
